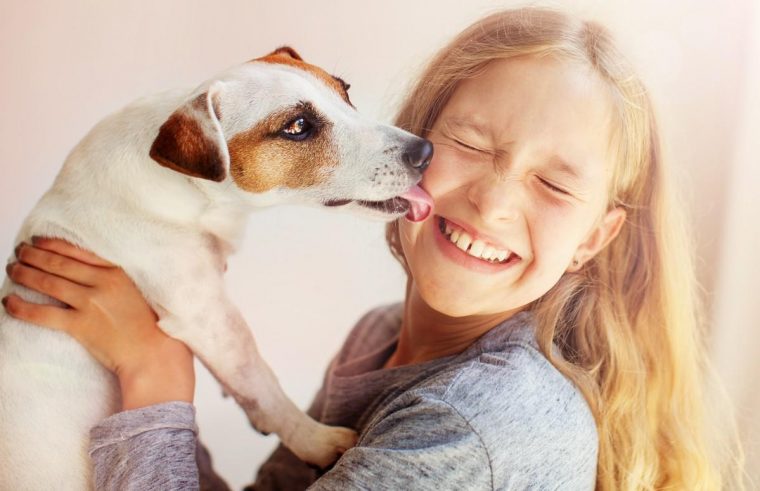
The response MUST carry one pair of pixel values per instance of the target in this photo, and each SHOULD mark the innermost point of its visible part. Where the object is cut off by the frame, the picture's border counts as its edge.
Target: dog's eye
(298, 129)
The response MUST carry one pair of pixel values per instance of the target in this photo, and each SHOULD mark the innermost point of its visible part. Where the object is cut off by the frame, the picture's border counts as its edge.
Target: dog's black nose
(418, 154)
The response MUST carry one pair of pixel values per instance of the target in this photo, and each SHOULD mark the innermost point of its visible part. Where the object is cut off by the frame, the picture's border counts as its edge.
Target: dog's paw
(322, 445)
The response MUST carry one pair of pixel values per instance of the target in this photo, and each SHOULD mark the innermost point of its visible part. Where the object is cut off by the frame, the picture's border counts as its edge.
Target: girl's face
(519, 179)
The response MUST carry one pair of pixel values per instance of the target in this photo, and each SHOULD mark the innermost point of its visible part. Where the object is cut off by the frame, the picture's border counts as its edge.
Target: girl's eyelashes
(469, 147)
(463, 144)
(459, 142)
(552, 187)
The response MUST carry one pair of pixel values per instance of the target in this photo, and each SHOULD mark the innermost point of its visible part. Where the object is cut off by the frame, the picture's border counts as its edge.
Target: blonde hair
(627, 323)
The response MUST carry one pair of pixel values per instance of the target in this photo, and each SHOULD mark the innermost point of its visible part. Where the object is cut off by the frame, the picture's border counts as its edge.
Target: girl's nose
(497, 199)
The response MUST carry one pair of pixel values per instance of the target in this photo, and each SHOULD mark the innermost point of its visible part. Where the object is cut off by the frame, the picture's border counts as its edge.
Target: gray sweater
(496, 416)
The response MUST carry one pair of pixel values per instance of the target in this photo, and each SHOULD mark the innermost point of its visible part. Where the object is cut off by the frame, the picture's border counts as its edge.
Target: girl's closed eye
(476, 152)
(553, 188)
(463, 143)
(468, 146)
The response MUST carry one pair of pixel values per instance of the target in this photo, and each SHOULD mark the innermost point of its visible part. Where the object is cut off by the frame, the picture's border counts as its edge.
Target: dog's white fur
(171, 233)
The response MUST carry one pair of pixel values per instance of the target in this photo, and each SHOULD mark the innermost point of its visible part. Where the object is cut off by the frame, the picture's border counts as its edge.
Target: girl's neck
(427, 334)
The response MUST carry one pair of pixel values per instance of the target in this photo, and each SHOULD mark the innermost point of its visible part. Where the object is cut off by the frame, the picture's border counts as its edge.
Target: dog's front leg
(220, 338)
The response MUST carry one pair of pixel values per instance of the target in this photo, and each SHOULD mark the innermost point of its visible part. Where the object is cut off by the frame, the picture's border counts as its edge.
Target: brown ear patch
(183, 145)
(260, 160)
(288, 56)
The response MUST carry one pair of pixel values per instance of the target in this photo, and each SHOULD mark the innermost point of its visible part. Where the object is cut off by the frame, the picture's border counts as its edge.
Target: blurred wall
(735, 336)
(305, 276)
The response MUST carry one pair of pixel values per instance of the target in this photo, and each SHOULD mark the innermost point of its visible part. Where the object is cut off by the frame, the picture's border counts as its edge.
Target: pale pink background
(305, 276)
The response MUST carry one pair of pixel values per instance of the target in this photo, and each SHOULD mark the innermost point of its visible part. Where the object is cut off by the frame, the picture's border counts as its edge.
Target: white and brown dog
(162, 188)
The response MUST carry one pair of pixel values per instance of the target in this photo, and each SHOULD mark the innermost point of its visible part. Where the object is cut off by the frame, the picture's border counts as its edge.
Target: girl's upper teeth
(476, 248)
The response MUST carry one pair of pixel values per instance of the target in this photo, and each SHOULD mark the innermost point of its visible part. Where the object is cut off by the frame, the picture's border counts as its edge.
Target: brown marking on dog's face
(183, 146)
(288, 56)
(262, 159)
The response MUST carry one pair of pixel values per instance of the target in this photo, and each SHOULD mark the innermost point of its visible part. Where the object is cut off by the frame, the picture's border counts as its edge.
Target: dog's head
(282, 130)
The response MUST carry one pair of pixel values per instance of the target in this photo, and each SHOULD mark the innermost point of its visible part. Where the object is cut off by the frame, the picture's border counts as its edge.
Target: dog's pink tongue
(421, 204)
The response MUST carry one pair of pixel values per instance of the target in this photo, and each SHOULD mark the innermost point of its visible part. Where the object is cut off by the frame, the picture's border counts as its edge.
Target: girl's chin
(452, 301)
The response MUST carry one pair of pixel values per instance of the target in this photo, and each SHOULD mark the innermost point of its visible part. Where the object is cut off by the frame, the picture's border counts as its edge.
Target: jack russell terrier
(163, 188)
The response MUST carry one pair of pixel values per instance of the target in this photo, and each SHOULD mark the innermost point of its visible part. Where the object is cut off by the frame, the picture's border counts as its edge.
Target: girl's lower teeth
(442, 226)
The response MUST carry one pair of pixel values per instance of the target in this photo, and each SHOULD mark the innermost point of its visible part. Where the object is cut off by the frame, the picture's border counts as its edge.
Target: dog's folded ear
(288, 51)
(191, 140)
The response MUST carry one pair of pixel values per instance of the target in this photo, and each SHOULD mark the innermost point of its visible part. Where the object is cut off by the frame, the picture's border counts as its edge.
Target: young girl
(548, 337)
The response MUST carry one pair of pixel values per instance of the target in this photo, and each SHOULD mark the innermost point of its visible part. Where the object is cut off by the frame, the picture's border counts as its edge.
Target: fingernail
(18, 247)
(5, 301)
(8, 268)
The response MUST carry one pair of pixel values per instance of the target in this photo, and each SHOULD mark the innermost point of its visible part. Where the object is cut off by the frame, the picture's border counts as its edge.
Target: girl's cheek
(432, 177)
(553, 244)
(408, 234)
(446, 172)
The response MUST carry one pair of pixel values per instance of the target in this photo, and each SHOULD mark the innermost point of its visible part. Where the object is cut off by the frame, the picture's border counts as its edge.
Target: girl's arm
(151, 444)
(105, 313)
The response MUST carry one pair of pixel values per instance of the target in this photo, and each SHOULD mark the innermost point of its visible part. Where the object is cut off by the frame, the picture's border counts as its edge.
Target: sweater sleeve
(424, 443)
(146, 448)
(491, 425)
(427, 443)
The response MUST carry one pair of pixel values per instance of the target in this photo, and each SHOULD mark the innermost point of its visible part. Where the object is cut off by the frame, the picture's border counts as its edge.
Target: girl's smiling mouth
(473, 253)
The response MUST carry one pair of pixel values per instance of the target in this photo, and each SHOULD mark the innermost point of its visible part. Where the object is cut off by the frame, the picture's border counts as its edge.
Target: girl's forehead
(545, 101)
(534, 89)
(556, 109)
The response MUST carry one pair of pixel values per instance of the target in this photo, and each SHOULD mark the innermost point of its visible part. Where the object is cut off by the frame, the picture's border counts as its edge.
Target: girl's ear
(605, 230)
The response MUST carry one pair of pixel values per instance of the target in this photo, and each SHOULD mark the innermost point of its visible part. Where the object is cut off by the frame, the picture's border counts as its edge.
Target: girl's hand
(105, 313)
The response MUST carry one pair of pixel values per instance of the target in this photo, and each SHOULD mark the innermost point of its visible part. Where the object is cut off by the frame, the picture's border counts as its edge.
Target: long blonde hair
(627, 323)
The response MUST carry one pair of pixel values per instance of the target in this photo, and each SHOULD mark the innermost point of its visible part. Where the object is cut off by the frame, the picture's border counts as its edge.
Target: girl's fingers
(59, 265)
(59, 288)
(42, 315)
(64, 248)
